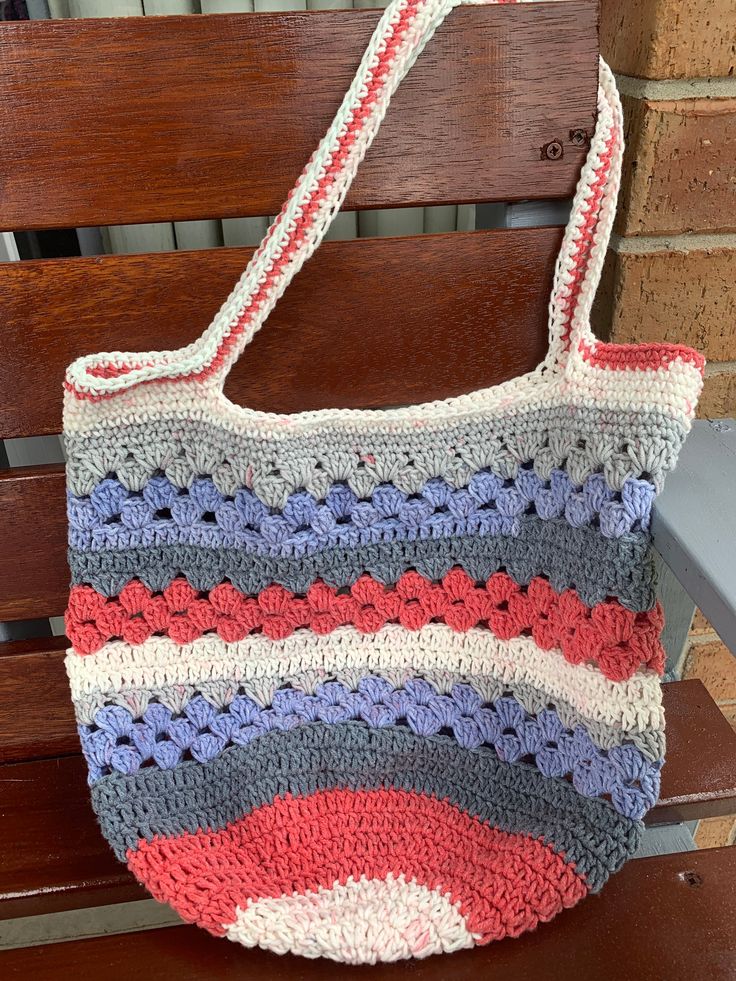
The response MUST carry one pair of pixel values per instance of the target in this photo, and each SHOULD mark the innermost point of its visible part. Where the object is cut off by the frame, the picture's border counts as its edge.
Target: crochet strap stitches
(296, 232)
(374, 684)
(402, 33)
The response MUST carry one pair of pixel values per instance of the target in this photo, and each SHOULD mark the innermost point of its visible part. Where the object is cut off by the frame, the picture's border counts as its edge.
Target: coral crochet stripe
(504, 883)
(615, 638)
(370, 685)
(641, 356)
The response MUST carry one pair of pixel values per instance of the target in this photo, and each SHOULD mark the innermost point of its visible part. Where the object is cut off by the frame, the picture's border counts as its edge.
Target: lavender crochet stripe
(136, 701)
(580, 439)
(579, 557)
(114, 517)
(118, 742)
(316, 757)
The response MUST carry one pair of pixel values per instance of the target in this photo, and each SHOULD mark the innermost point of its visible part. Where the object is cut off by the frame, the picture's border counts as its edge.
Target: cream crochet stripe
(346, 922)
(634, 705)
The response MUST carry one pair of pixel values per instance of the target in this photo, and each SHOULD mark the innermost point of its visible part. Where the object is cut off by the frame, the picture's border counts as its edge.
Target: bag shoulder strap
(399, 38)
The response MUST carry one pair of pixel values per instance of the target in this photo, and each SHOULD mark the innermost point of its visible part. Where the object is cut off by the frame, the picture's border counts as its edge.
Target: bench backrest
(177, 118)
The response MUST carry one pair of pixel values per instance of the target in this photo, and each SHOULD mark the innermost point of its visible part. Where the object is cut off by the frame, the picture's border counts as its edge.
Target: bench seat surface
(669, 917)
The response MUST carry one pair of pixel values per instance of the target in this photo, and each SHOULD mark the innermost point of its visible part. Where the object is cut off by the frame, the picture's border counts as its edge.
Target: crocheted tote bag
(374, 684)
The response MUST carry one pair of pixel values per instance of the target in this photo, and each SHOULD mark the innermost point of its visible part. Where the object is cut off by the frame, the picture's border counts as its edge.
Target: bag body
(374, 684)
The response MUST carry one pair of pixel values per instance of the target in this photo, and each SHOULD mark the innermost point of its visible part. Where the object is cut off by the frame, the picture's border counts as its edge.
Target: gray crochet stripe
(596, 567)
(220, 693)
(515, 798)
(582, 440)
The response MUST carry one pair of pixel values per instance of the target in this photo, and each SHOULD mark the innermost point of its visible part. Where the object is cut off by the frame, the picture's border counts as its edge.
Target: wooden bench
(659, 919)
(467, 126)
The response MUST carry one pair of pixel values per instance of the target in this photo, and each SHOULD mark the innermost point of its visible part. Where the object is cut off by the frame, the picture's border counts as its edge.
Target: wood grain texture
(59, 860)
(36, 727)
(54, 857)
(145, 119)
(370, 322)
(34, 578)
(699, 777)
(667, 917)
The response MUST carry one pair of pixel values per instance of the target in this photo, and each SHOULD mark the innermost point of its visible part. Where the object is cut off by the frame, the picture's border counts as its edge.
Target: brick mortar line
(668, 89)
(720, 368)
(695, 640)
(684, 242)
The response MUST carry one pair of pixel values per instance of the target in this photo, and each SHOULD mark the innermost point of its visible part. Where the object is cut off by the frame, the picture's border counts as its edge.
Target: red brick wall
(672, 266)
(671, 271)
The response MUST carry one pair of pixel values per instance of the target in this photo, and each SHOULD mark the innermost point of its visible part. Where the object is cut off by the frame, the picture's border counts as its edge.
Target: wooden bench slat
(35, 728)
(54, 857)
(112, 121)
(58, 860)
(369, 322)
(33, 569)
(699, 777)
(668, 917)
(485, 294)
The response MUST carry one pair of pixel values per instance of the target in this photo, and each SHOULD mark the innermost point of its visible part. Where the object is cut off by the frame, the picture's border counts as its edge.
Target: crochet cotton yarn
(370, 685)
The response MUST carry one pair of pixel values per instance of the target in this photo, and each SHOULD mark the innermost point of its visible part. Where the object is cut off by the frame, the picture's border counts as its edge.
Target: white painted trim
(719, 367)
(694, 523)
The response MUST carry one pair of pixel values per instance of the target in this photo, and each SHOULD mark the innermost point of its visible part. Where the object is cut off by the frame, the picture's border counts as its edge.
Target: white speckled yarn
(348, 922)
(259, 665)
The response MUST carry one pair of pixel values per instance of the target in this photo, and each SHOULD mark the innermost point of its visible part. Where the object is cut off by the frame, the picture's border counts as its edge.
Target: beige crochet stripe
(259, 665)
(672, 390)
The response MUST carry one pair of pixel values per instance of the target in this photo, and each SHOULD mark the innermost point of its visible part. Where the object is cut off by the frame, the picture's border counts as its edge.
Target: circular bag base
(359, 877)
